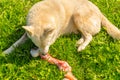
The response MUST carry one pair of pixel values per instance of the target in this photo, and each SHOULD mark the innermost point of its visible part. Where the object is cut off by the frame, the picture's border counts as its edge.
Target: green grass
(99, 61)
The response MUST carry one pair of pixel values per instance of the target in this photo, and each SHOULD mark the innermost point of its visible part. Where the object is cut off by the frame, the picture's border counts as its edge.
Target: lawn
(99, 61)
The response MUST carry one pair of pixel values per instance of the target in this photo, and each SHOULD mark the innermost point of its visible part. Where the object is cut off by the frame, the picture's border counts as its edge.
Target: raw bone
(63, 65)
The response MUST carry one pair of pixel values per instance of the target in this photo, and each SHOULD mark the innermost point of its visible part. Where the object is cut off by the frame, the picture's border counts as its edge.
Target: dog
(49, 19)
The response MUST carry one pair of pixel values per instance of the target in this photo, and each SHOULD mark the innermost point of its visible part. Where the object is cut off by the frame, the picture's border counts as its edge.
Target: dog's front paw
(34, 52)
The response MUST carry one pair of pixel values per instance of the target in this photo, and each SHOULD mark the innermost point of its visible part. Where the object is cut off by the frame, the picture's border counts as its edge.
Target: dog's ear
(29, 29)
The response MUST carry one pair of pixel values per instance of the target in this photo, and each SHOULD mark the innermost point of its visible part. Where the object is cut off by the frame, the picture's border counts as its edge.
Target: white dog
(49, 19)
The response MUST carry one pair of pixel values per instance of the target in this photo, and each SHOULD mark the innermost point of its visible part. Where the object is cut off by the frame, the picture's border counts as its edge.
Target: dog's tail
(16, 44)
(112, 30)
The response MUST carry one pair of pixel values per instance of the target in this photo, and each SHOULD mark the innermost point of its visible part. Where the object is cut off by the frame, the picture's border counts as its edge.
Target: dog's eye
(30, 33)
(48, 31)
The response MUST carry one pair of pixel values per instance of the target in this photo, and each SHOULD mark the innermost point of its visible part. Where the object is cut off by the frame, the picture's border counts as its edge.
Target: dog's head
(40, 37)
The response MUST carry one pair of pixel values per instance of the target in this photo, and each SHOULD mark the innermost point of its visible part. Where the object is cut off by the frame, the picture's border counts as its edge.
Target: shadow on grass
(18, 57)
(7, 39)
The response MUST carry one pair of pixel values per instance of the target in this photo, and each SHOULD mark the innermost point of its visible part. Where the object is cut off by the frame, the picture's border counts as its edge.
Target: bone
(62, 65)
(69, 76)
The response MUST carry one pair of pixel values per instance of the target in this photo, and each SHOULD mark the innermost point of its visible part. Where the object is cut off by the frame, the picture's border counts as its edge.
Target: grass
(99, 61)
